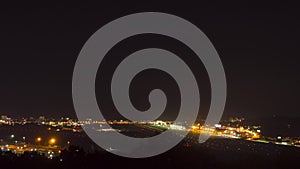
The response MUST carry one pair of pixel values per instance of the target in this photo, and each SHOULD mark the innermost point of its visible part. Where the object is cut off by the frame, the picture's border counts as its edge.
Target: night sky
(257, 43)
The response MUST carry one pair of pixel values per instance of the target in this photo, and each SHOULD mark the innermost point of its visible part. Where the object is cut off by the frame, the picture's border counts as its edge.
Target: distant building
(4, 117)
(177, 127)
(160, 123)
(41, 119)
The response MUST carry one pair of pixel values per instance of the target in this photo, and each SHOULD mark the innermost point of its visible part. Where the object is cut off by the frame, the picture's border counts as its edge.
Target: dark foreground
(214, 154)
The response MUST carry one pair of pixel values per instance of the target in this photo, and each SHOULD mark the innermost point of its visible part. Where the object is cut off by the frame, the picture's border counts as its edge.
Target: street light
(39, 139)
(52, 141)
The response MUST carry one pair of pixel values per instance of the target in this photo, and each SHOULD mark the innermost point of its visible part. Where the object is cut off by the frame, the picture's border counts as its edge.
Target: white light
(218, 125)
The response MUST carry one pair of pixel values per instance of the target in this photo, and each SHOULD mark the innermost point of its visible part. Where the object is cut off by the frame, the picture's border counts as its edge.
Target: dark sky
(257, 43)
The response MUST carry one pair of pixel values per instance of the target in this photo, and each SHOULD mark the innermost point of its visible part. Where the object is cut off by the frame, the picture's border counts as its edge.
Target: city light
(18, 146)
(39, 139)
(52, 141)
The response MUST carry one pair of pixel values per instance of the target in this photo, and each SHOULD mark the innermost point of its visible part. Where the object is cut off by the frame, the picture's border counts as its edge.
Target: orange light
(39, 139)
(52, 141)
